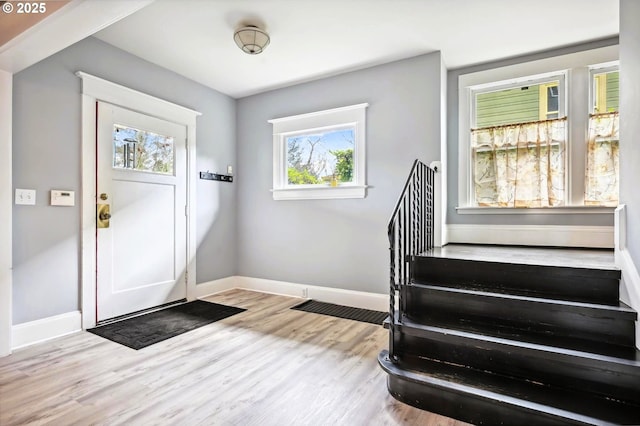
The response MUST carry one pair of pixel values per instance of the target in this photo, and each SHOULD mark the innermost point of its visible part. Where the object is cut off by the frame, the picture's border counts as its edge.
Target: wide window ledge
(320, 193)
(536, 210)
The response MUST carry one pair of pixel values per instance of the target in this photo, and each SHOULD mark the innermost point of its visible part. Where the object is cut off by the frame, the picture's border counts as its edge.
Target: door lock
(104, 215)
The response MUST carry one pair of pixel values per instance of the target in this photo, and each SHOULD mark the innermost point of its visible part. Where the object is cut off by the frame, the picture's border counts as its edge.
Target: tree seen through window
(320, 157)
(136, 149)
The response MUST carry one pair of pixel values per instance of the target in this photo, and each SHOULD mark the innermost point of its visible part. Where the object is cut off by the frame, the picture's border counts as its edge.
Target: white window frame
(353, 116)
(532, 80)
(599, 69)
(577, 110)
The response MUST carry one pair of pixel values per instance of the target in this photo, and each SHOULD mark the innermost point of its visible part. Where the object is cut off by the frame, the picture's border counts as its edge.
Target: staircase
(505, 342)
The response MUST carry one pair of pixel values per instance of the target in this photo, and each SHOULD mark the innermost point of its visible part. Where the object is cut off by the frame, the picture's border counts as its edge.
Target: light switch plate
(62, 198)
(26, 197)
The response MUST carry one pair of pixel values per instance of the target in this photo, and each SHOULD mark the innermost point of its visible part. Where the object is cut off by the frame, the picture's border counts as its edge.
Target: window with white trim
(518, 142)
(320, 155)
(602, 171)
(525, 134)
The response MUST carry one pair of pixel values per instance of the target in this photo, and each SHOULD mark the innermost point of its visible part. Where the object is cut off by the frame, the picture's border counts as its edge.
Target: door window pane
(139, 150)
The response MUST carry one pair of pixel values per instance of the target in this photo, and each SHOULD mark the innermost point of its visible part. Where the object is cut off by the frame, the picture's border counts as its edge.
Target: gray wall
(629, 123)
(46, 155)
(335, 243)
(452, 151)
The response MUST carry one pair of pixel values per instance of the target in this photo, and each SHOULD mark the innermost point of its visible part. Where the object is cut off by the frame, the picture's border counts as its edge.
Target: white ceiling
(311, 39)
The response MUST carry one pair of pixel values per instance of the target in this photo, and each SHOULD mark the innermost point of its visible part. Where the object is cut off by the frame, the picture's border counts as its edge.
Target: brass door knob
(103, 215)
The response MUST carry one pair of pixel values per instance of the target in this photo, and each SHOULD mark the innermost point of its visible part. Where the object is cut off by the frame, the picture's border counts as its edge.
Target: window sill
(537, 210)
(320, 193)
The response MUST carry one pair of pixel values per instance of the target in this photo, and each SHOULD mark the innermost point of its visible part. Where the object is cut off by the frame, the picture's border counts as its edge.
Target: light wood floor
(267, 366)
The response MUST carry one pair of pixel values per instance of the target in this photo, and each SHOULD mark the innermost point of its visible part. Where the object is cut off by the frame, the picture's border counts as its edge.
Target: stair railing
(410, 233)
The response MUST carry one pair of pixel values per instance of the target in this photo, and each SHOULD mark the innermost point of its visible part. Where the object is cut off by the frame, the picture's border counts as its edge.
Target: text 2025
(31, 7)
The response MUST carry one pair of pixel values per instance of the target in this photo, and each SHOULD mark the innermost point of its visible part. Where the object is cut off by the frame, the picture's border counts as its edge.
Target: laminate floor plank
(269, 365)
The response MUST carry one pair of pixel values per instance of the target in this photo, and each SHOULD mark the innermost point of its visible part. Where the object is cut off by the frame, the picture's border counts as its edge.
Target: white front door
(141, 190)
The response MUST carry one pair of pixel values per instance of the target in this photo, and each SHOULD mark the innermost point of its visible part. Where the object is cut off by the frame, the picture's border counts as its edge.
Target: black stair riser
(559, 337)
(563, 283)
(470, 404)
(468, 408)
(620, 381)
(537, 318)
(507, 393)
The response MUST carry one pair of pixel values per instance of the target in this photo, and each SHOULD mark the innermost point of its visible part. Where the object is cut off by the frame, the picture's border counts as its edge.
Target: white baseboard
(630, 282)
(629, 285)
(216, 286)
(30, 333)
(357, 299)
(533, 235)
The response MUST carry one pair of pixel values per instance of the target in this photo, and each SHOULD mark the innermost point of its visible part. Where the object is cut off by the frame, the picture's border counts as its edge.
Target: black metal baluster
(392, 287)
(425, 185)
(422, 232)
(431, 206)
(410, 233)
(401, 246)
(406, 207)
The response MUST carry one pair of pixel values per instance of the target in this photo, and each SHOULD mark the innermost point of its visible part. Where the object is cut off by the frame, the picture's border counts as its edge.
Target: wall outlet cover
(26, 197)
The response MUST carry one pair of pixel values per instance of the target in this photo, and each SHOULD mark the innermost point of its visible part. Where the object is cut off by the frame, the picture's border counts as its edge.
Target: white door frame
(74, 22)
(97, 89)
(6, 199)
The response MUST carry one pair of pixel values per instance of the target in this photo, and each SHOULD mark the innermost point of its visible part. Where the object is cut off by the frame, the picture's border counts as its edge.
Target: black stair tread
(566, 404)
(622, 311)
(551, 256)
(581, 271)
(632, 359)
(567, 342)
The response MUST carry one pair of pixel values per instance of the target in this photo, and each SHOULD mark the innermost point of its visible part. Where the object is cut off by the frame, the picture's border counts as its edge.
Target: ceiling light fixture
(251, 39)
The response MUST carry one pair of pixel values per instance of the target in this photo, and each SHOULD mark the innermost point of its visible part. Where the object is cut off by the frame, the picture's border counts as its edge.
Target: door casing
(97, 89)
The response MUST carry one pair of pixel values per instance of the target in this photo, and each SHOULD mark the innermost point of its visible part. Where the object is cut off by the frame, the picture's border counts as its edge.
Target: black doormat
(145, 330)
(347, 312)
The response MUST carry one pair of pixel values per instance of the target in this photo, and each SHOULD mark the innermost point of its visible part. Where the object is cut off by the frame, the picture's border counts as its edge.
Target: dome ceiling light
(251, 39)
